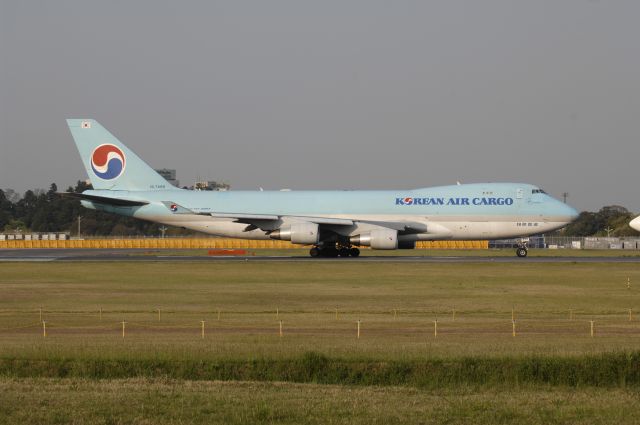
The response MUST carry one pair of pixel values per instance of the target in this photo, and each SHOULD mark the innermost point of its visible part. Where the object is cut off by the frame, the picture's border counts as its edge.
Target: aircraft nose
(570, 213)
(635, 223)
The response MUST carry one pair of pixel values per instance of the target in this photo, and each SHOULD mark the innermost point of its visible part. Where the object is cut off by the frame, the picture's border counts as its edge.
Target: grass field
(398, 371)
(40, 401)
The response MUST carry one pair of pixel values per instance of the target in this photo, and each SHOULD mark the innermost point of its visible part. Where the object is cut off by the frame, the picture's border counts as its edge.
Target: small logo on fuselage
(173, 207)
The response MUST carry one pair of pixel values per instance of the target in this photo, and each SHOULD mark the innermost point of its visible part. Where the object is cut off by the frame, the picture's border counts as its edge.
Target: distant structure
(34, 236)
(212, 185)
(169, 175)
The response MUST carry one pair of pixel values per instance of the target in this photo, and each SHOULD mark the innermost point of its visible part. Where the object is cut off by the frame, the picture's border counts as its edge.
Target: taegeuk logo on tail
(108, 162)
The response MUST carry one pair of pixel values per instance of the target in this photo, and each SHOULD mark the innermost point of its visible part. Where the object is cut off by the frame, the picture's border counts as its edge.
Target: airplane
(635, 223)
(334, 222)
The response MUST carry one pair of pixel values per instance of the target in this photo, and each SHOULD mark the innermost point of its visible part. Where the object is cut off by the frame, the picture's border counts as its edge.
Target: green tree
(6, 210)
(613, 217)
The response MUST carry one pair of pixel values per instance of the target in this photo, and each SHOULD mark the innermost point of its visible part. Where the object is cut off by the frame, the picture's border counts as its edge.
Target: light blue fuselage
(467, 211)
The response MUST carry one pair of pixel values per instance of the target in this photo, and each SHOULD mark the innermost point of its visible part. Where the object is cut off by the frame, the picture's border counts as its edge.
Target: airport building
(212, 185)
(169, 175)
(35, 236)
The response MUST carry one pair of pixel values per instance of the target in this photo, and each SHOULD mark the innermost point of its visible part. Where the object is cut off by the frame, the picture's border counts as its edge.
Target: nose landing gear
(521, 249)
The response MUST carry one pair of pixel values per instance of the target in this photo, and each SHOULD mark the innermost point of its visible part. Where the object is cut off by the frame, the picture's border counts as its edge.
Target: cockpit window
(537, 191)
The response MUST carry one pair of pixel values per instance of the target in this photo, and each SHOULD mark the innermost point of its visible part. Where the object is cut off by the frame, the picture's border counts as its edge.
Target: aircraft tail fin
(109, 163)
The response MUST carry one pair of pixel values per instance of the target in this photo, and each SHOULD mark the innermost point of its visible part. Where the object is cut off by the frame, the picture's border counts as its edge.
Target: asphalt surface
(88, 255)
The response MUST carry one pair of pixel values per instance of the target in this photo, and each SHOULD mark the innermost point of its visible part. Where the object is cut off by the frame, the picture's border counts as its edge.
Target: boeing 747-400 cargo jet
(334, 222)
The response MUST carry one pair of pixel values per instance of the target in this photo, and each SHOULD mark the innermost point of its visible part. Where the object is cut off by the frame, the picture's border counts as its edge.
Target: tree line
(46, 211)
(611, 220)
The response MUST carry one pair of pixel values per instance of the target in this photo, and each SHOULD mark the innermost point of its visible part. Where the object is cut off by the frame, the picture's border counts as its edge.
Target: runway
(146, 255)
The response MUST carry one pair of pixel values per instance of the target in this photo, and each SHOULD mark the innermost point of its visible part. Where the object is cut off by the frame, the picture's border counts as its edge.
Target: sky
(346, 94)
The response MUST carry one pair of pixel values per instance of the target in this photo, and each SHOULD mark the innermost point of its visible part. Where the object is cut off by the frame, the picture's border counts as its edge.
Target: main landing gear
(521, 249)
(333, 251)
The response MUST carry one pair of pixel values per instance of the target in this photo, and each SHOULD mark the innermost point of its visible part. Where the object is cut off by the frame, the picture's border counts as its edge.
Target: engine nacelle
(302, 233)
(377, 239)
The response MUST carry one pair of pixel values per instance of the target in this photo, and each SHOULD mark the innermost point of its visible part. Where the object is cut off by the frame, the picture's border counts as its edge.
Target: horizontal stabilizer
(119, 202)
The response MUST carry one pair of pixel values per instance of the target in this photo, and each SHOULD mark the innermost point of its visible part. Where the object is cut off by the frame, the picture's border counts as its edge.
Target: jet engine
(302, 233)
(377, 239)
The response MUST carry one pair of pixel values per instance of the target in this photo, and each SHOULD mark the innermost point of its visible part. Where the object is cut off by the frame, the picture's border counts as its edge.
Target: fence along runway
(380, 323)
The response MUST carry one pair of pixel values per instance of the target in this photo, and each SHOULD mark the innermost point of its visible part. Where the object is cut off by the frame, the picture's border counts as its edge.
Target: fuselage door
(519, 193)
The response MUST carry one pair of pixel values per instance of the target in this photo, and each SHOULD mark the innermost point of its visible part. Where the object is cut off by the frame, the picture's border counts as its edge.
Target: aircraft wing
(270, 222)
(242, 218)
(263, 217)
(266, 222)
(273, 222)
(406, 227)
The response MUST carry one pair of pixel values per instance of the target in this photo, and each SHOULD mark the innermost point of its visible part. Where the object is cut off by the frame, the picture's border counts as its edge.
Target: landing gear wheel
(344, 252)
(521, 252)
(354, 252)
(314, 252)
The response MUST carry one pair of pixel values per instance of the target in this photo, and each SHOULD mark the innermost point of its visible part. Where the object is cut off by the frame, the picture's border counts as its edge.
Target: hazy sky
(331, 94)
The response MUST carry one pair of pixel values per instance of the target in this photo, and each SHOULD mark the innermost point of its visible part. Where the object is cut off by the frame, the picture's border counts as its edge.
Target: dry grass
(142, 401)
(397, 304)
